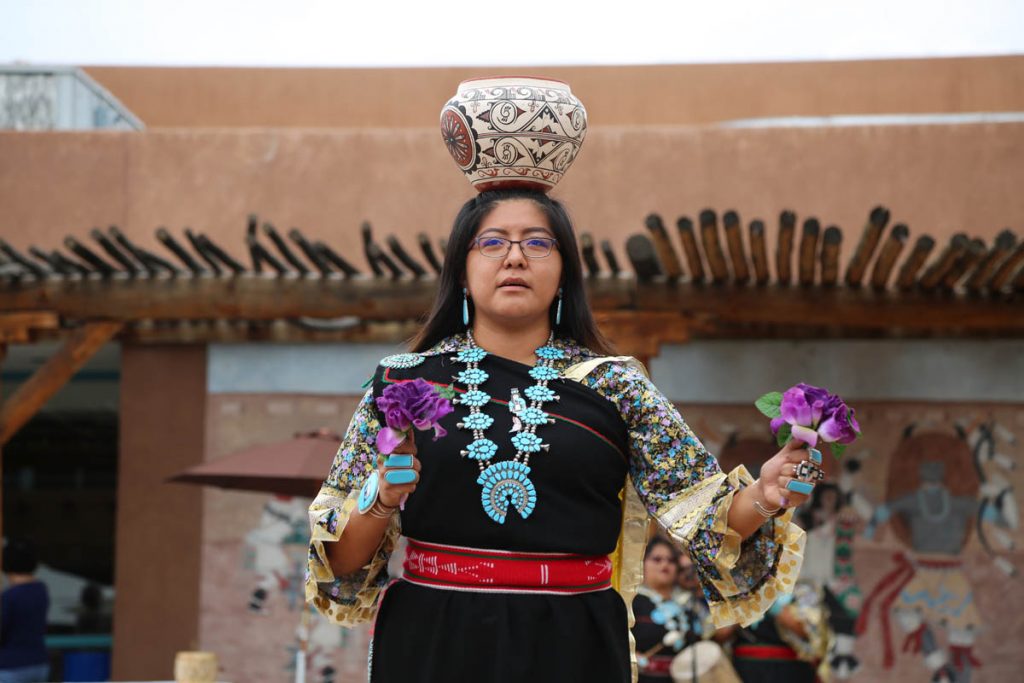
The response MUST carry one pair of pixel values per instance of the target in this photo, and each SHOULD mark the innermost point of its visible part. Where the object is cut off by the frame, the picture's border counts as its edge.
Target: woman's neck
(663, 591)
(516, 343)
(17, 579)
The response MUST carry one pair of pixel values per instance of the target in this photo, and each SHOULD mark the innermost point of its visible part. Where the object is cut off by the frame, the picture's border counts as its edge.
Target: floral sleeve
(689, 496)
(347, 600)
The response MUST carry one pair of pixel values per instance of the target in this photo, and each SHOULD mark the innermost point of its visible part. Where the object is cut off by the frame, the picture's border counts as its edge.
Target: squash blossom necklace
(506, 482)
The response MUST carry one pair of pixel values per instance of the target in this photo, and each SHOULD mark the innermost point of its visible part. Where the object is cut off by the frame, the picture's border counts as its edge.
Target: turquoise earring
(558, 309)
(465, 308)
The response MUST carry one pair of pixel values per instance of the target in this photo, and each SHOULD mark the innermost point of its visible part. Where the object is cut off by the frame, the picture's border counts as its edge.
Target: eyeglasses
(499, 247)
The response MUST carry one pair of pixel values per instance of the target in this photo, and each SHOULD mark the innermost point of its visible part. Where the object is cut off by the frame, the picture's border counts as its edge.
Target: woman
(660, 610)
(23, 607)
(523, 592)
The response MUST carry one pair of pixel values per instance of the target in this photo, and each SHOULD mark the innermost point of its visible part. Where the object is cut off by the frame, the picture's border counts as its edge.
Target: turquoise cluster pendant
(506, 484)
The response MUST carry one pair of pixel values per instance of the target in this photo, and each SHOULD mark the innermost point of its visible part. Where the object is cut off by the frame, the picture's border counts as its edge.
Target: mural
(912, 542)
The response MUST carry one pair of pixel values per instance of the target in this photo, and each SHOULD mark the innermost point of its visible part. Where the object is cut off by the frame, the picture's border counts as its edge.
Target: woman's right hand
(391, 494)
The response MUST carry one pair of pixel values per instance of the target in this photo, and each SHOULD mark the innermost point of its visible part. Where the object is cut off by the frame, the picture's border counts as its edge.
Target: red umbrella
(295, 467)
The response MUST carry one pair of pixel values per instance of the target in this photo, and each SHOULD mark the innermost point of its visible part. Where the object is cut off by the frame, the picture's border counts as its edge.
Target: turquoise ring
(398, 461)
(815, 455)
(399, 477)
(368, 493)
(800, 487)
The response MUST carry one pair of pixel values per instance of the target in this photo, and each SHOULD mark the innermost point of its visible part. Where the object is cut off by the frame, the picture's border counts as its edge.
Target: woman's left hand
(778, 471)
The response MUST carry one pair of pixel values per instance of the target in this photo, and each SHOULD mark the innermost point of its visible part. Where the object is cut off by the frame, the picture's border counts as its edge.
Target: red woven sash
(764, 652)
(499, 571)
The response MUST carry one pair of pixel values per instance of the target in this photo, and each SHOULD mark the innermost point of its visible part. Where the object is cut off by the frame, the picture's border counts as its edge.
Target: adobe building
(912, 311)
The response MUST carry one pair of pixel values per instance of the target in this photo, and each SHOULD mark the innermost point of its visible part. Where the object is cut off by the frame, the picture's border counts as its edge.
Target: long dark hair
(445, 318)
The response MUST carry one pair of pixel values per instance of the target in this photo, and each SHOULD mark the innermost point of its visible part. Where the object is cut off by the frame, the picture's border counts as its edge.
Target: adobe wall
(936, 178)
(614, 95)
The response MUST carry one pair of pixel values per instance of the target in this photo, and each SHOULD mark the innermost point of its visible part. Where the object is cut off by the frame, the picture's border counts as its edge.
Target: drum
(713, 665)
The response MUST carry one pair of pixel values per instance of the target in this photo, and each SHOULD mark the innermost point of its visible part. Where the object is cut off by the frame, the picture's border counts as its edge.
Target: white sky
(474, 33)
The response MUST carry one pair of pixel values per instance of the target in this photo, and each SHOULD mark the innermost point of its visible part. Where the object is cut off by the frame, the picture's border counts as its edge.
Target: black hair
(659, 540)
(19, 557)
(445, 319)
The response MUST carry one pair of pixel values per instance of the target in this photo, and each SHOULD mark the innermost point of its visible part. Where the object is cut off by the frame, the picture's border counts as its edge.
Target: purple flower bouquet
(412, 404)
(810, 413)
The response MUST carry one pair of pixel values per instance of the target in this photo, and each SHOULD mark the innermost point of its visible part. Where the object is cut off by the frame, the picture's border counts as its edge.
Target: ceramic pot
(513, 132)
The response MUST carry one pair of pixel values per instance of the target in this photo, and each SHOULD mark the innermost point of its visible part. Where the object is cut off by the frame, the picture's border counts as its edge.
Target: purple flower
(838, 424)
(813, 413)
(410, 404)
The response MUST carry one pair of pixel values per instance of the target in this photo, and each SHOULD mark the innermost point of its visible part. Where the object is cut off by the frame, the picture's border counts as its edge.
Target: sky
(360, 33)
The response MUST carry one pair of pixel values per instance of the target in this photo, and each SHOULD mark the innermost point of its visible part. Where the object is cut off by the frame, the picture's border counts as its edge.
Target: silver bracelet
(766, 512)
(380, 510)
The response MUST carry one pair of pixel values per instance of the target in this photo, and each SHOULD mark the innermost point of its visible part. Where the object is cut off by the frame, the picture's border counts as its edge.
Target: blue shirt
(23, 625)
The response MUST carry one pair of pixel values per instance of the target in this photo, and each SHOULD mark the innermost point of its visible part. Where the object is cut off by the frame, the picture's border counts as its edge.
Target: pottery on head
(513, 132)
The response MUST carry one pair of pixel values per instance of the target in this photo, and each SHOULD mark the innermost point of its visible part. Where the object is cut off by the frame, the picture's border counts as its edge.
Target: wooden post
(946, 261)
(689, 240)
(589, 257)
(47, 380)
(809, 251)
(831, 242)
(784, 250)
(734, 238)
(759, 253)
(666, 253)
(1005, 242)
(877, 221)
(972, 255)
(1007, 270)
(888, 256)
(609, 256)
(908, 273)
(712, 246)
(644, 257)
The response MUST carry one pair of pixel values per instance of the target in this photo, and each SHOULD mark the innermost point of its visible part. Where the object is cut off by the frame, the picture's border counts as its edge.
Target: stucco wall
(936, 178)
(614, 95)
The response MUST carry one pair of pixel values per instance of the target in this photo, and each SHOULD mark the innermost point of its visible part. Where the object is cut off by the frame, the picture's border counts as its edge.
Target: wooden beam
(47, 380)
(844, 307)
(967, 261)
(945, 263)
(1004, 244)
(831, 241)
(915, 261)
(759, 253)
(784, 249)
(666, 252)
(254, 297)
(809, 251)
(1006, 271)
(877, 221)
(689, 240)
(734, 239)
(888, 256)
(713, 247)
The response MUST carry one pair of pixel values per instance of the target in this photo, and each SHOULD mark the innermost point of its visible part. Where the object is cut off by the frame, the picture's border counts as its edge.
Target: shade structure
(295, 467)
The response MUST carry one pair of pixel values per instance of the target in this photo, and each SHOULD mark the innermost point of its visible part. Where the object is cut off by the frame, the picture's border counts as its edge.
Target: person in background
(661, 626)
(23, 607)
(689, 584)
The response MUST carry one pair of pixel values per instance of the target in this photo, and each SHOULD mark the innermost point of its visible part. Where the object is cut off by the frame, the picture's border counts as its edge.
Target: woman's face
(513, 288)
(660, 568)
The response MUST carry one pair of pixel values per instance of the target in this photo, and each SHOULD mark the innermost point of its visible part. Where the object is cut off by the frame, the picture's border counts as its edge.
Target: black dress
(430, 634)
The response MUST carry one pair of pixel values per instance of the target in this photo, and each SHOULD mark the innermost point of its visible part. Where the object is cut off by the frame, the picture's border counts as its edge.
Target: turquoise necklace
(506, 482)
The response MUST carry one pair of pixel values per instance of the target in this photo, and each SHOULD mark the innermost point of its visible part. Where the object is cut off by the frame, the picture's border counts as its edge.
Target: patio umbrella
(295, 467)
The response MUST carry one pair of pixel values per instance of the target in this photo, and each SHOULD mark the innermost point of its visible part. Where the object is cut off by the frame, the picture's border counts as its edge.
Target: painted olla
(513, 132)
